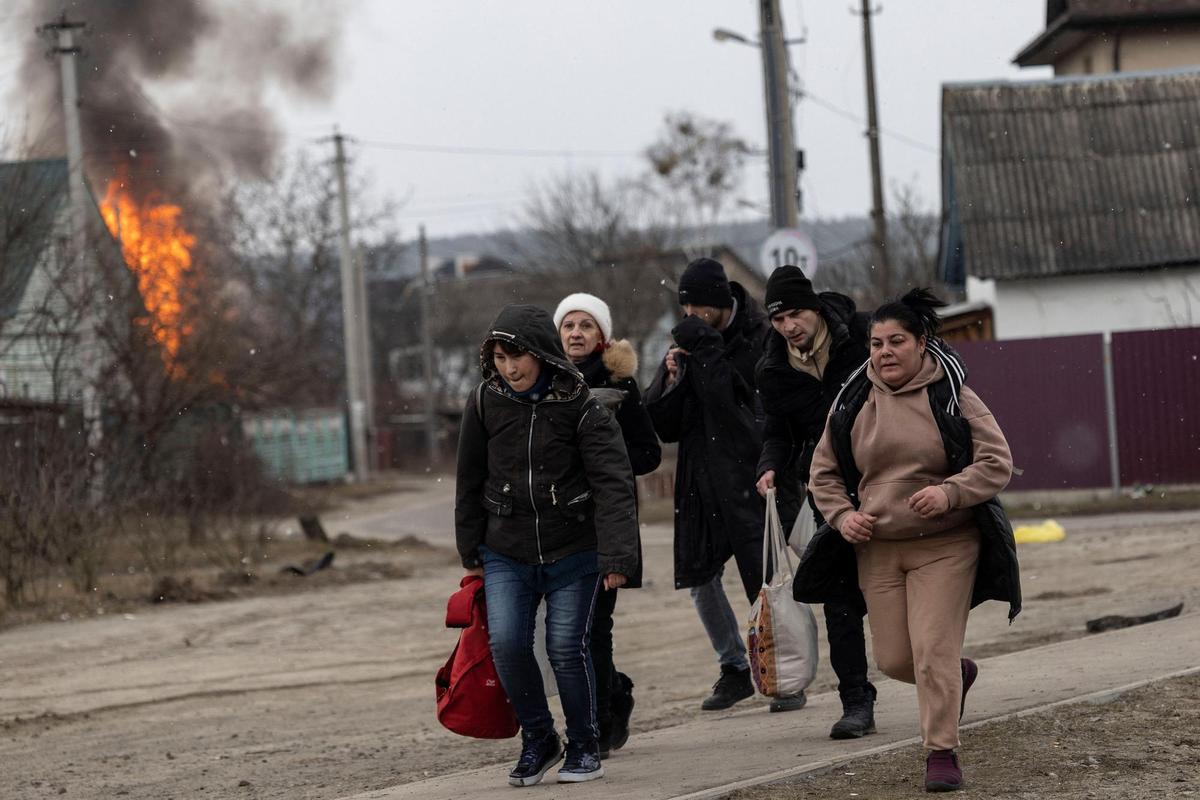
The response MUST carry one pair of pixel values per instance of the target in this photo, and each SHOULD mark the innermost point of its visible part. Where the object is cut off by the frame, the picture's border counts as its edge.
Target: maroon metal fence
(1048, 396)
(1157, 381)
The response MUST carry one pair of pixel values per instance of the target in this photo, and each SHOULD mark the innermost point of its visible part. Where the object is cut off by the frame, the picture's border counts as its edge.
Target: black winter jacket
(539, 481)
(797, 403)
(713, 412)
(615, 369)
(829, 570)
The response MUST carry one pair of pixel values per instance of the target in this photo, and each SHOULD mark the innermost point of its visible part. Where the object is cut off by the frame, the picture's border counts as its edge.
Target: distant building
(1072, 205)
(1090, 37)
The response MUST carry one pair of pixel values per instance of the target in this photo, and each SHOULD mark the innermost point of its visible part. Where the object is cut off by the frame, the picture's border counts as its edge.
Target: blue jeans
(720, 623)
(514, 592)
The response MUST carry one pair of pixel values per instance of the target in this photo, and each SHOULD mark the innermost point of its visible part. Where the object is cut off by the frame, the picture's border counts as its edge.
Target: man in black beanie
(704, 285)
(819, 340)
(704, 398)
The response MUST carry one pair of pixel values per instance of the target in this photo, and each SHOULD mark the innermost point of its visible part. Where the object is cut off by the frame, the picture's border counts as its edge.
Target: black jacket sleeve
(614, 498)
(470, 517)
(641, 442)
(710, 374)
(665, 403)
(779, 451)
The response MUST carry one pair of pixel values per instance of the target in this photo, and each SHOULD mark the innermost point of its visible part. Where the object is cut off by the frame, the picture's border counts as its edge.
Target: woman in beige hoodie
(913, 530)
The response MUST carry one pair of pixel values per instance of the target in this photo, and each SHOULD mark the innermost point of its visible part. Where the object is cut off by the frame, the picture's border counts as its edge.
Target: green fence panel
(300, 447)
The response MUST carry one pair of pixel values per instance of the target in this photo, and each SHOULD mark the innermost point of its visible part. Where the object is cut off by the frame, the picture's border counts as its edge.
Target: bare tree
(912, 241)
(696, 169)
(283, 280)
(610, 239)
(576, 220)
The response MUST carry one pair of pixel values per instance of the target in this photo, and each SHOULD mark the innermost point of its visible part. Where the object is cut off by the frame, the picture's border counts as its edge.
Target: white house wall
(1165, 298)
(36, 362)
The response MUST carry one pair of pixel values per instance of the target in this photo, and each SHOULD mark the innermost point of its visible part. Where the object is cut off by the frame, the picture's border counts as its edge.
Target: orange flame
(158, 249)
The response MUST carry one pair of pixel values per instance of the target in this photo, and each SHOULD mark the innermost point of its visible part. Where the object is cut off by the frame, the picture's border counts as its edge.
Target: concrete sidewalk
(736, 749)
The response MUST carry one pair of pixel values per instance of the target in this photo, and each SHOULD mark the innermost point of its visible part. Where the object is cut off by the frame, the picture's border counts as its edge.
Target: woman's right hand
(857, 527)
(476, 571)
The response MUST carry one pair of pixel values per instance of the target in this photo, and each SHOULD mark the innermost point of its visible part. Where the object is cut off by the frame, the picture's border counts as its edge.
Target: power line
(843, 249)
(805, 94)
(497, 151)
(416, 147)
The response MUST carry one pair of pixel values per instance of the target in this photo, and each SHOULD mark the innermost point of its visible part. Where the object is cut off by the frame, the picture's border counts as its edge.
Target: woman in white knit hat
(584, 324)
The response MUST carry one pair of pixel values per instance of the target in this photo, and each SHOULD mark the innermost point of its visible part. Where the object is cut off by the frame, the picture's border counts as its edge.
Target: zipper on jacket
(553, 496)
(537, 523)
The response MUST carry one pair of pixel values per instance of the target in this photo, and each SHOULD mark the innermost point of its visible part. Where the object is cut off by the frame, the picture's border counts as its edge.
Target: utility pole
(781, 147)
(63, 32)
(351, 318)
(431, 444)
(879, 237)
(364, 344)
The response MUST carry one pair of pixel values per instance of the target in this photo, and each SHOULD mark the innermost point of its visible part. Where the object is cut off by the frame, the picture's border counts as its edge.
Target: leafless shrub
(912, 247)
(46, 519)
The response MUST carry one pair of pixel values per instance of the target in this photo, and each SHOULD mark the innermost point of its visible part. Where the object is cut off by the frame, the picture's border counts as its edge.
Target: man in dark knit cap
(818, 341)
(703, 397)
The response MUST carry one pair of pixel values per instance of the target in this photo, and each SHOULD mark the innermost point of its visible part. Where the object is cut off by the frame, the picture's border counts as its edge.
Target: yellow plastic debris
(1048, 531)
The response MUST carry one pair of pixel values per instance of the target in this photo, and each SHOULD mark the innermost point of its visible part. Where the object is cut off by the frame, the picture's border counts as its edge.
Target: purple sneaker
(942, 772)
(970, 671)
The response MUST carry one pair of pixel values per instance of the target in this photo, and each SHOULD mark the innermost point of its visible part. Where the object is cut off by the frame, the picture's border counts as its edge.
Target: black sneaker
(858, 714)
(733, 685)
(793, 702)
(622, 710)
(539, 752)
(582, 764)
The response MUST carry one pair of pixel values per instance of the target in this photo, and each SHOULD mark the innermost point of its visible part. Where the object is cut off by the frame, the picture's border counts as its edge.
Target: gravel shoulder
(1144, 744)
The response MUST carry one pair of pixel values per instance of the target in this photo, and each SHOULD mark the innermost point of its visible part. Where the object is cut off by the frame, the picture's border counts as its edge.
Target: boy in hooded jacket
(545, 510)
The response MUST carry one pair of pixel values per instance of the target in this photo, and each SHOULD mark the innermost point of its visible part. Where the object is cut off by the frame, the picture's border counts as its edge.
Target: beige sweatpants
(918, 594)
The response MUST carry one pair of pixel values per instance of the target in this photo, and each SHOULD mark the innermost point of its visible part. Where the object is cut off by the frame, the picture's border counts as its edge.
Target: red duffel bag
(470, 699)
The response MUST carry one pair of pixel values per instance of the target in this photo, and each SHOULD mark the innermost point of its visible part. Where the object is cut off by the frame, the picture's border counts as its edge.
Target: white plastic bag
(782, 635)
(803, 529)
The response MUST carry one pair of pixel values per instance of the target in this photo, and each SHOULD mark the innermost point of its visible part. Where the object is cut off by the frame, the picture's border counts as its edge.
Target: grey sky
(568, 75)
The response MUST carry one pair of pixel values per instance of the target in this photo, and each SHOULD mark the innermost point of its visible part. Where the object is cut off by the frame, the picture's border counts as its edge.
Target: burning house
(53, 301)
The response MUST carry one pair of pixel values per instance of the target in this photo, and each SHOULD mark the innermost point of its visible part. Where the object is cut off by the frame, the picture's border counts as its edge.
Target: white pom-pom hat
(590, 304)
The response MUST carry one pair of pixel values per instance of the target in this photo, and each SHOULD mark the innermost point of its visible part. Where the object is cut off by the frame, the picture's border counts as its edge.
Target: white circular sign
(789, 246)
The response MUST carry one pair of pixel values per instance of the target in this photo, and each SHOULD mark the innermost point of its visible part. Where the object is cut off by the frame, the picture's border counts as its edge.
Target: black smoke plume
(213, 67)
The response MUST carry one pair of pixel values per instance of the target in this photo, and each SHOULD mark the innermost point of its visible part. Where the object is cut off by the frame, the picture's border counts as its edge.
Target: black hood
(529, 328)
(750, 315)
(839, 313)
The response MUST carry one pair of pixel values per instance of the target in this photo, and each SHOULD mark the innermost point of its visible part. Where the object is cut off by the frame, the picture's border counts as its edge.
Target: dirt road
(327, 693)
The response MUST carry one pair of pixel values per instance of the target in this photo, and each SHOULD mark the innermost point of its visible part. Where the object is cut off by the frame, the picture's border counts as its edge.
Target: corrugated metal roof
(1071, 176)
(30, 195)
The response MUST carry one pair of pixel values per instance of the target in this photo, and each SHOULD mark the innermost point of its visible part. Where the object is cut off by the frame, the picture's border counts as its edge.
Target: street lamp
(781, 153)
(726, 35)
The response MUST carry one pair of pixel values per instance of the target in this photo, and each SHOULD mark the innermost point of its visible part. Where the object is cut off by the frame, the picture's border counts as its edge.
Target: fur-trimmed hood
(621, 360)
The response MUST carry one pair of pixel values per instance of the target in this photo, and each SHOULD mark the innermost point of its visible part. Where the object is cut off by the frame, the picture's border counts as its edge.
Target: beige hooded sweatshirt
(899, 450)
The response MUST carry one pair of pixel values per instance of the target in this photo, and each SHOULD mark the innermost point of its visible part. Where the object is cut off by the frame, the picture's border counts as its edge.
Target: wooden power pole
(352, 318)
(63, 32)
(431, 438)
(879, 234)
(781, 147)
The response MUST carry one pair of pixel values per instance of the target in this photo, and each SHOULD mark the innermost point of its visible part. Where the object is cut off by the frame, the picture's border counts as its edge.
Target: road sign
(789, 246)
